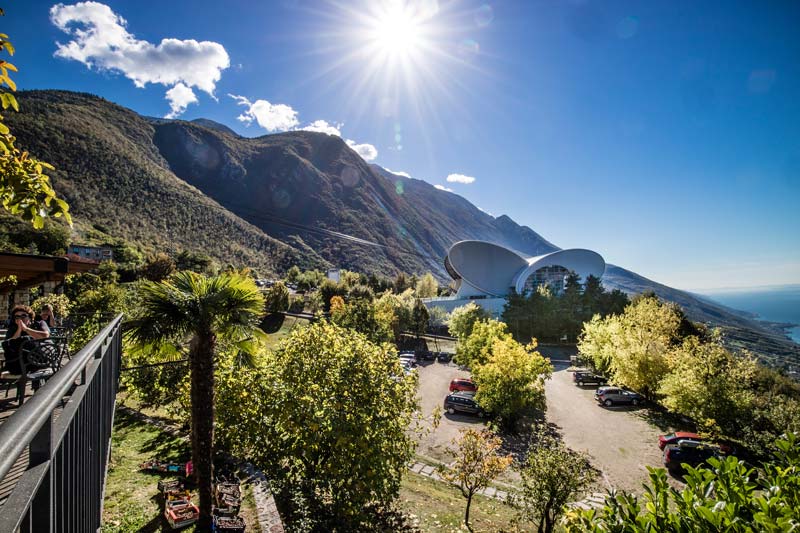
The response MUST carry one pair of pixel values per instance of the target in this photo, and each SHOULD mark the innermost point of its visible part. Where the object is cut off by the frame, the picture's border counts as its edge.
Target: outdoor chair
(39, 360)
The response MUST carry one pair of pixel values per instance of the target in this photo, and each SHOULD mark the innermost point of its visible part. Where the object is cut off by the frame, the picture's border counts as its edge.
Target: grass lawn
(132, 501)
(439, 508)
(278, 327)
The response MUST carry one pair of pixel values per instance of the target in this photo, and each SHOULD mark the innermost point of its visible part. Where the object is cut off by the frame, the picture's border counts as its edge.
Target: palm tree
(203, 311)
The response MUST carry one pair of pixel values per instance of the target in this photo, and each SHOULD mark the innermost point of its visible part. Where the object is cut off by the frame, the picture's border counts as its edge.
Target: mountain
(119, 186)
(299, 197)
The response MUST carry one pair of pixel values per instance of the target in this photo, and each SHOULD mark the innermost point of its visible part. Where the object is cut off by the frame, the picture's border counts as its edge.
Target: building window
(553, 276)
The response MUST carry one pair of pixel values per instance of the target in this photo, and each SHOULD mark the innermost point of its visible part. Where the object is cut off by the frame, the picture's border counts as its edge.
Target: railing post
(41, 451)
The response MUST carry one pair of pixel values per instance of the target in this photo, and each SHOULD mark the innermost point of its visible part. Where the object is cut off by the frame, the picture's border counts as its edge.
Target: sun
(397, 32)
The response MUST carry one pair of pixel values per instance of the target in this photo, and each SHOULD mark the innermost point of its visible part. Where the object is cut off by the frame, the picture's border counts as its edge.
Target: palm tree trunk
(202, 398)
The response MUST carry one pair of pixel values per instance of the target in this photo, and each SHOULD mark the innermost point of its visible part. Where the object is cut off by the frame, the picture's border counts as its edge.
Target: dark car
(426, 355)
(463, 402)
(444, 357)
(463, 384)
(582, 377)
(609, 396)
(690, 452)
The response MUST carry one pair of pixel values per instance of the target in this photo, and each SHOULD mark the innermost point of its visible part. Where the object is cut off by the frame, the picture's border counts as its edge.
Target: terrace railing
(65, 429)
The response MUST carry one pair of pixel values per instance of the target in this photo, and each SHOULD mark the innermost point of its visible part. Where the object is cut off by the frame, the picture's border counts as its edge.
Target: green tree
(327, 419)
(438, 317)
(719, 496)
(512, 380)
(203, 311)
(60, 303)
(276, 298)
(293, 274)
(158, 267)
(427, 286)
(328, 289)
(463, 318)
(552, 476)
(419, 318)
(709, 385)
(25, 189)
(361, 315)
(476, 349)
(636, 345)
(194, 261)
(477, 463)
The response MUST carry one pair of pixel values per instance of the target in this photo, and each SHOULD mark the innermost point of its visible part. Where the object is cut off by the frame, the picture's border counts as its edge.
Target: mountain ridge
(279, 199)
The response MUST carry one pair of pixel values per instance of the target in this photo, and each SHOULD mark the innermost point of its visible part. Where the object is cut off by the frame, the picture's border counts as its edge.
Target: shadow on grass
(272, 322)
(167, 447)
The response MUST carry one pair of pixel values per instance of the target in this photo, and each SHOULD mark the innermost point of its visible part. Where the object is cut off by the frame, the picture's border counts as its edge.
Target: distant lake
(775, 304)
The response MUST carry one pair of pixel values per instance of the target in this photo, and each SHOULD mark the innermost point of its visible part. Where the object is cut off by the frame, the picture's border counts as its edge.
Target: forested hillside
(119, 186)
(270, 202)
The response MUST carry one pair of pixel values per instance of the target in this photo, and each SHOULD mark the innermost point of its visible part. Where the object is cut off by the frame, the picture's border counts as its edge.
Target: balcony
(54, 448)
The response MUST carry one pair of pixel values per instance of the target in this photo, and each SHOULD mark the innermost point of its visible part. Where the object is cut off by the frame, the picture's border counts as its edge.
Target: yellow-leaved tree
(477, 463)
(25, 189)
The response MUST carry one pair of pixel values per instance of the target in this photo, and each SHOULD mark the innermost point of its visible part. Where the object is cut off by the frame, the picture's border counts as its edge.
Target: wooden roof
(33, 270)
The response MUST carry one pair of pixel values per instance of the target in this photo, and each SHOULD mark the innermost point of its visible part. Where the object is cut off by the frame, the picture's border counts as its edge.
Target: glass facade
(554, 276)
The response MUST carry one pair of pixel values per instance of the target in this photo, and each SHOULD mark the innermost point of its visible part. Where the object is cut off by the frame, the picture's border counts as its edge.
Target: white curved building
(486, 273)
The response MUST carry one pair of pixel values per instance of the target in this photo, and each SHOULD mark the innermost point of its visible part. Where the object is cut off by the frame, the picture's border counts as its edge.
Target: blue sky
(664, 135)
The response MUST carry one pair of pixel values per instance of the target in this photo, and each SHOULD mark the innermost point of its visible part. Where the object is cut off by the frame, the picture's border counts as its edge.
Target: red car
(673, 438)
(463, 384)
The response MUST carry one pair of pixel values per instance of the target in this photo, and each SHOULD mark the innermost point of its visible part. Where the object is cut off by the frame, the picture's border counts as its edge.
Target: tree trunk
(466, 512)
(202, 398)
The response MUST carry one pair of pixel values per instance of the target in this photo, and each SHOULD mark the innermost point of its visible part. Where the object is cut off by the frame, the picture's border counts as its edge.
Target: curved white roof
(494, 270)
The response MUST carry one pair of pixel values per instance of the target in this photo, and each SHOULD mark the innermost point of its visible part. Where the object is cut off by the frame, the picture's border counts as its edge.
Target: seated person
(21, 329)
(47, 316)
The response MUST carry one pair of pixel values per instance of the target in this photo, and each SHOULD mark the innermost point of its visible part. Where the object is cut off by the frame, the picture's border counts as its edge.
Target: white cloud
(271, 117)
(179, 98)
(366, 151)
(460, 178)
(485, 211)
(281, 117)
(101, 40)
(398, 172)
(443, 188)
(322, 126)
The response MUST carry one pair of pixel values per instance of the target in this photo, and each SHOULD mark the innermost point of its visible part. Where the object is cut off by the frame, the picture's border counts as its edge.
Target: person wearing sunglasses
(22, 328)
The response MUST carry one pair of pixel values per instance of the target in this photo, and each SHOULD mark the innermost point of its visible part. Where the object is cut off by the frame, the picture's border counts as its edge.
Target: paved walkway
(595, 500)
(424, 469)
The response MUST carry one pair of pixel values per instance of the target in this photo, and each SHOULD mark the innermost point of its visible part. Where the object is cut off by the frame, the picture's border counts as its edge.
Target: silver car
(609, 396)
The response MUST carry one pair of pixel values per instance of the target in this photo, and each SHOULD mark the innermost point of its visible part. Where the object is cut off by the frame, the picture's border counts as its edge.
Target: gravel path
(620, 444)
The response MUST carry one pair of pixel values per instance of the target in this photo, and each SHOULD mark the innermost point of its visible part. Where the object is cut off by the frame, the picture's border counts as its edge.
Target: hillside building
(485, 273)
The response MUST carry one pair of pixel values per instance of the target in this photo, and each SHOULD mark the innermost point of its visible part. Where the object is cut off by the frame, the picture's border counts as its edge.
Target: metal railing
(61, 489)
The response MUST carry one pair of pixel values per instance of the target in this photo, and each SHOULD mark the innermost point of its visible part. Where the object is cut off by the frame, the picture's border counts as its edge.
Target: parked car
(426, 355)
(463, 384)
(687, 451)
(673, 438)
(463, 402)
(410, 358)
(609, 396)
(444, 357)
(582, 377)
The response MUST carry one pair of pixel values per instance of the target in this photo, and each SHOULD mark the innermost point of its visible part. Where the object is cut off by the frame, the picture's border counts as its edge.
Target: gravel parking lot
(434, 380)
(619, 443)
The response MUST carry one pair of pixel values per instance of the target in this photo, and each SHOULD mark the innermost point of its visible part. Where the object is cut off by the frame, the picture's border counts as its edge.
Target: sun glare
(397, 32)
